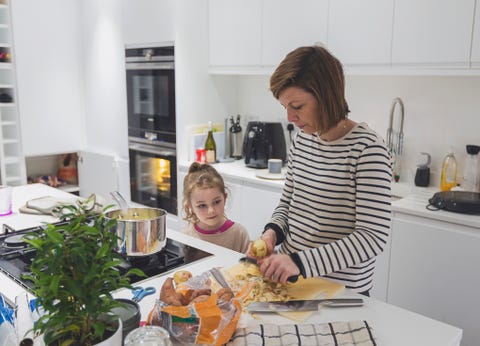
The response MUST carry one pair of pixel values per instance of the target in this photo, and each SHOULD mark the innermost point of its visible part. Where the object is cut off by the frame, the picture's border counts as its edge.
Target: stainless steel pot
(142, 231)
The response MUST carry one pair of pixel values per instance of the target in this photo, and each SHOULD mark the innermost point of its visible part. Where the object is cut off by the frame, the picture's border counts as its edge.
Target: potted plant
(74, 273)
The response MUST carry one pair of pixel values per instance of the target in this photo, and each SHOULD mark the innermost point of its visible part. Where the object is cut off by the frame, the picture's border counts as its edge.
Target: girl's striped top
(334, 215)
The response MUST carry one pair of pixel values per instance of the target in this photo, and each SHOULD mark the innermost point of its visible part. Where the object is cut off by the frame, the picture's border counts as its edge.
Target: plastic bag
(207, 319)
(8, 336)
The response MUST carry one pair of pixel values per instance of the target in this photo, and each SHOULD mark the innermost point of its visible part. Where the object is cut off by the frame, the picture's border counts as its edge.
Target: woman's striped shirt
(335, 211)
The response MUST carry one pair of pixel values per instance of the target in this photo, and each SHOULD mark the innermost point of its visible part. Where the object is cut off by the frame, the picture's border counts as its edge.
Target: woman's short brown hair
(317, 71)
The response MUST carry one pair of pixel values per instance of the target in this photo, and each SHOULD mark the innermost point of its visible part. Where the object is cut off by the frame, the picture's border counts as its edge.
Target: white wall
(439, 112)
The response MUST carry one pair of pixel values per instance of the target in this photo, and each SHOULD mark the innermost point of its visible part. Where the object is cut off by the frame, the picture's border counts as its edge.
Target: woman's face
(209, 207)
(302, 108)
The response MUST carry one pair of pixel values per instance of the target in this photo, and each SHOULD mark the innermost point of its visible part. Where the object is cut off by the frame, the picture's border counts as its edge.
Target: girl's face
(302, 108)
(209, 206)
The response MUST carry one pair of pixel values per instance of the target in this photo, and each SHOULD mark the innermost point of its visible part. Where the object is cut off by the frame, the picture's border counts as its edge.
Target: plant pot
(114, 340)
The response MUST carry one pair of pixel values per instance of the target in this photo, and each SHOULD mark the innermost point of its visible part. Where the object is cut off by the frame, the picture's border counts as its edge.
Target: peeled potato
(181, 276)
(259, 248)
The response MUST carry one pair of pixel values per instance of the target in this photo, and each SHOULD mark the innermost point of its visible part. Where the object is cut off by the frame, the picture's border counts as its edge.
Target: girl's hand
(278, 268)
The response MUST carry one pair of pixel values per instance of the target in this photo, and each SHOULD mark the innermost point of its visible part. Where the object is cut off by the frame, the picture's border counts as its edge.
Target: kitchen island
(392, 325)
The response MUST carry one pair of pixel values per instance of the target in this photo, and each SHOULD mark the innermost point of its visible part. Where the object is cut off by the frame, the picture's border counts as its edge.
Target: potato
(201, 298)
(259, 248)
(181, 276)
(224, 294)
(168, 294)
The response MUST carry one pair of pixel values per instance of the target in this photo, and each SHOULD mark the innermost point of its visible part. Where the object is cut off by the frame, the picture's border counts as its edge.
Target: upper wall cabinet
(49, 75)
(475, 57)
(387, 36)
(148, 21)
(288, 25)
(360, 32)
(235, 32)
(256, 34)
(432, 32)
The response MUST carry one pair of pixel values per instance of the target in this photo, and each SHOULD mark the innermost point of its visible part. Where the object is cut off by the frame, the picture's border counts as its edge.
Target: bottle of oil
(448, 178)
(210, 146)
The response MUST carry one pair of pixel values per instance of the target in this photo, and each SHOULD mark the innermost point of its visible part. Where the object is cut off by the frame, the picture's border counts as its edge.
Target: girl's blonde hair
(201, 176)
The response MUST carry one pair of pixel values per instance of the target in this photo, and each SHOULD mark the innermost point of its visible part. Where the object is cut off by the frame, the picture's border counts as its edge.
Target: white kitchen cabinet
(258, 203)
(360, 32)
(235, 199)
(101, 174)
(47, 37)
(148, 21)
(475, 56)
(12, 161)
(434, 271)
(287, 25)
(382, 269)
(432, 33)
(259, 34)
(235, 32)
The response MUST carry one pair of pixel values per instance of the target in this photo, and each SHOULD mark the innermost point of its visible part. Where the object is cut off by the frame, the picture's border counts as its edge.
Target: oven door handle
(151, 149)
(150, 66)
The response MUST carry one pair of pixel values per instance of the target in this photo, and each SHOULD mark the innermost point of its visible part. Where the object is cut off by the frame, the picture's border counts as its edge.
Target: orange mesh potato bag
(209, 322)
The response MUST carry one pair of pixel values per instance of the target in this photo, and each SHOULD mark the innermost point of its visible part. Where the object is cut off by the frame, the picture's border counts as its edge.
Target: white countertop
(392, 325)
(408, 198)
(238, 171)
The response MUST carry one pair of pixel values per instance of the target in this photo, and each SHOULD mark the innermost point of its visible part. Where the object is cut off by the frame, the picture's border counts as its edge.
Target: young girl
(204, 196)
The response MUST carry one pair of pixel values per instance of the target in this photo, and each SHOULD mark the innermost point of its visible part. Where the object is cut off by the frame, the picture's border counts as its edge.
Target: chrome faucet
(396, 144)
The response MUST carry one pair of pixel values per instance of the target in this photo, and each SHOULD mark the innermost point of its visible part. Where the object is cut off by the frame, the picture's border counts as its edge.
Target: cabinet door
(287, 25)
(380, 279)
(257, 207)
(49, 75)
(432, 32)
(475, 57)
(233, 208)
(146, 21)
(97, 173)
(360, 32)
(235, 32)
(434, 272)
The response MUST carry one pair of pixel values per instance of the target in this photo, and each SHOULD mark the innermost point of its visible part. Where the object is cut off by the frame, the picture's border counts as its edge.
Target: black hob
(15, 257)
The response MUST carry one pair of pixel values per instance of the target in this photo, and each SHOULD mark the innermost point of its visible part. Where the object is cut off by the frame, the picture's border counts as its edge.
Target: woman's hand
(278, 268)
(269, 237)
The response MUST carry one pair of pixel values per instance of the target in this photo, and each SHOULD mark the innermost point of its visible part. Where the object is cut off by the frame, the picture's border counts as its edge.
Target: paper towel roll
(23, 319)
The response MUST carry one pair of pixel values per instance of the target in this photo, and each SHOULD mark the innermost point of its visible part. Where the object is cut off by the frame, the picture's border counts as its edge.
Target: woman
(334, 214)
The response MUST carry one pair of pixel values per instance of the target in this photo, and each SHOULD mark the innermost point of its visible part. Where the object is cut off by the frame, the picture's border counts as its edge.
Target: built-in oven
(153, 175)
(151, 125)
(151, 92)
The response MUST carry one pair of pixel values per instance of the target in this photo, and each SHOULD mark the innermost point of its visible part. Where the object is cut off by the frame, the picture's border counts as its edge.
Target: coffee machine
(263, 141)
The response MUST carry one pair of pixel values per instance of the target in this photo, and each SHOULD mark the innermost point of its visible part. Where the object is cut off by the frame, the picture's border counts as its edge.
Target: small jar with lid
(148, 336)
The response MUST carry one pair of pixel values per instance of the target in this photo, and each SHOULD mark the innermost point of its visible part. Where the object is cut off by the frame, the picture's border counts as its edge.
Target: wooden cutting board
(310, 288)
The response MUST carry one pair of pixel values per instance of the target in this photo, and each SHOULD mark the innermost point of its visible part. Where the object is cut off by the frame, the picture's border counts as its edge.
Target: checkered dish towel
(357, 333)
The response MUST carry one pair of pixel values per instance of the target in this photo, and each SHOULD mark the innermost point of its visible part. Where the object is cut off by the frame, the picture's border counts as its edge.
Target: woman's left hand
(278, 268)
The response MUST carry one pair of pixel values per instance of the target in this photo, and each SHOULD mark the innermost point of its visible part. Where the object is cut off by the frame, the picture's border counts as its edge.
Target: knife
(251, 260)
(302, 305)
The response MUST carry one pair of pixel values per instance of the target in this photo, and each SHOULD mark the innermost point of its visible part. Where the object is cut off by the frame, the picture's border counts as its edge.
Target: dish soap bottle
(210, 146)
(448, 178)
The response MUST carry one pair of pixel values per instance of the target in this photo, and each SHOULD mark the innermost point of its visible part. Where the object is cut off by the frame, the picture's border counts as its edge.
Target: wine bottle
(210, 146)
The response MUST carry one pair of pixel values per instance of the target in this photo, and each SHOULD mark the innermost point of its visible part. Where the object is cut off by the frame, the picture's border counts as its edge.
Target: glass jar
(148, 336)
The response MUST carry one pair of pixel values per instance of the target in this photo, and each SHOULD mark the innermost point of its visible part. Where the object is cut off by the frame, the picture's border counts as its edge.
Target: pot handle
(122, 203)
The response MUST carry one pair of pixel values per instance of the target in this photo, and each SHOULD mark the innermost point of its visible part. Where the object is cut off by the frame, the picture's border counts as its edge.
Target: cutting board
(310, 288)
